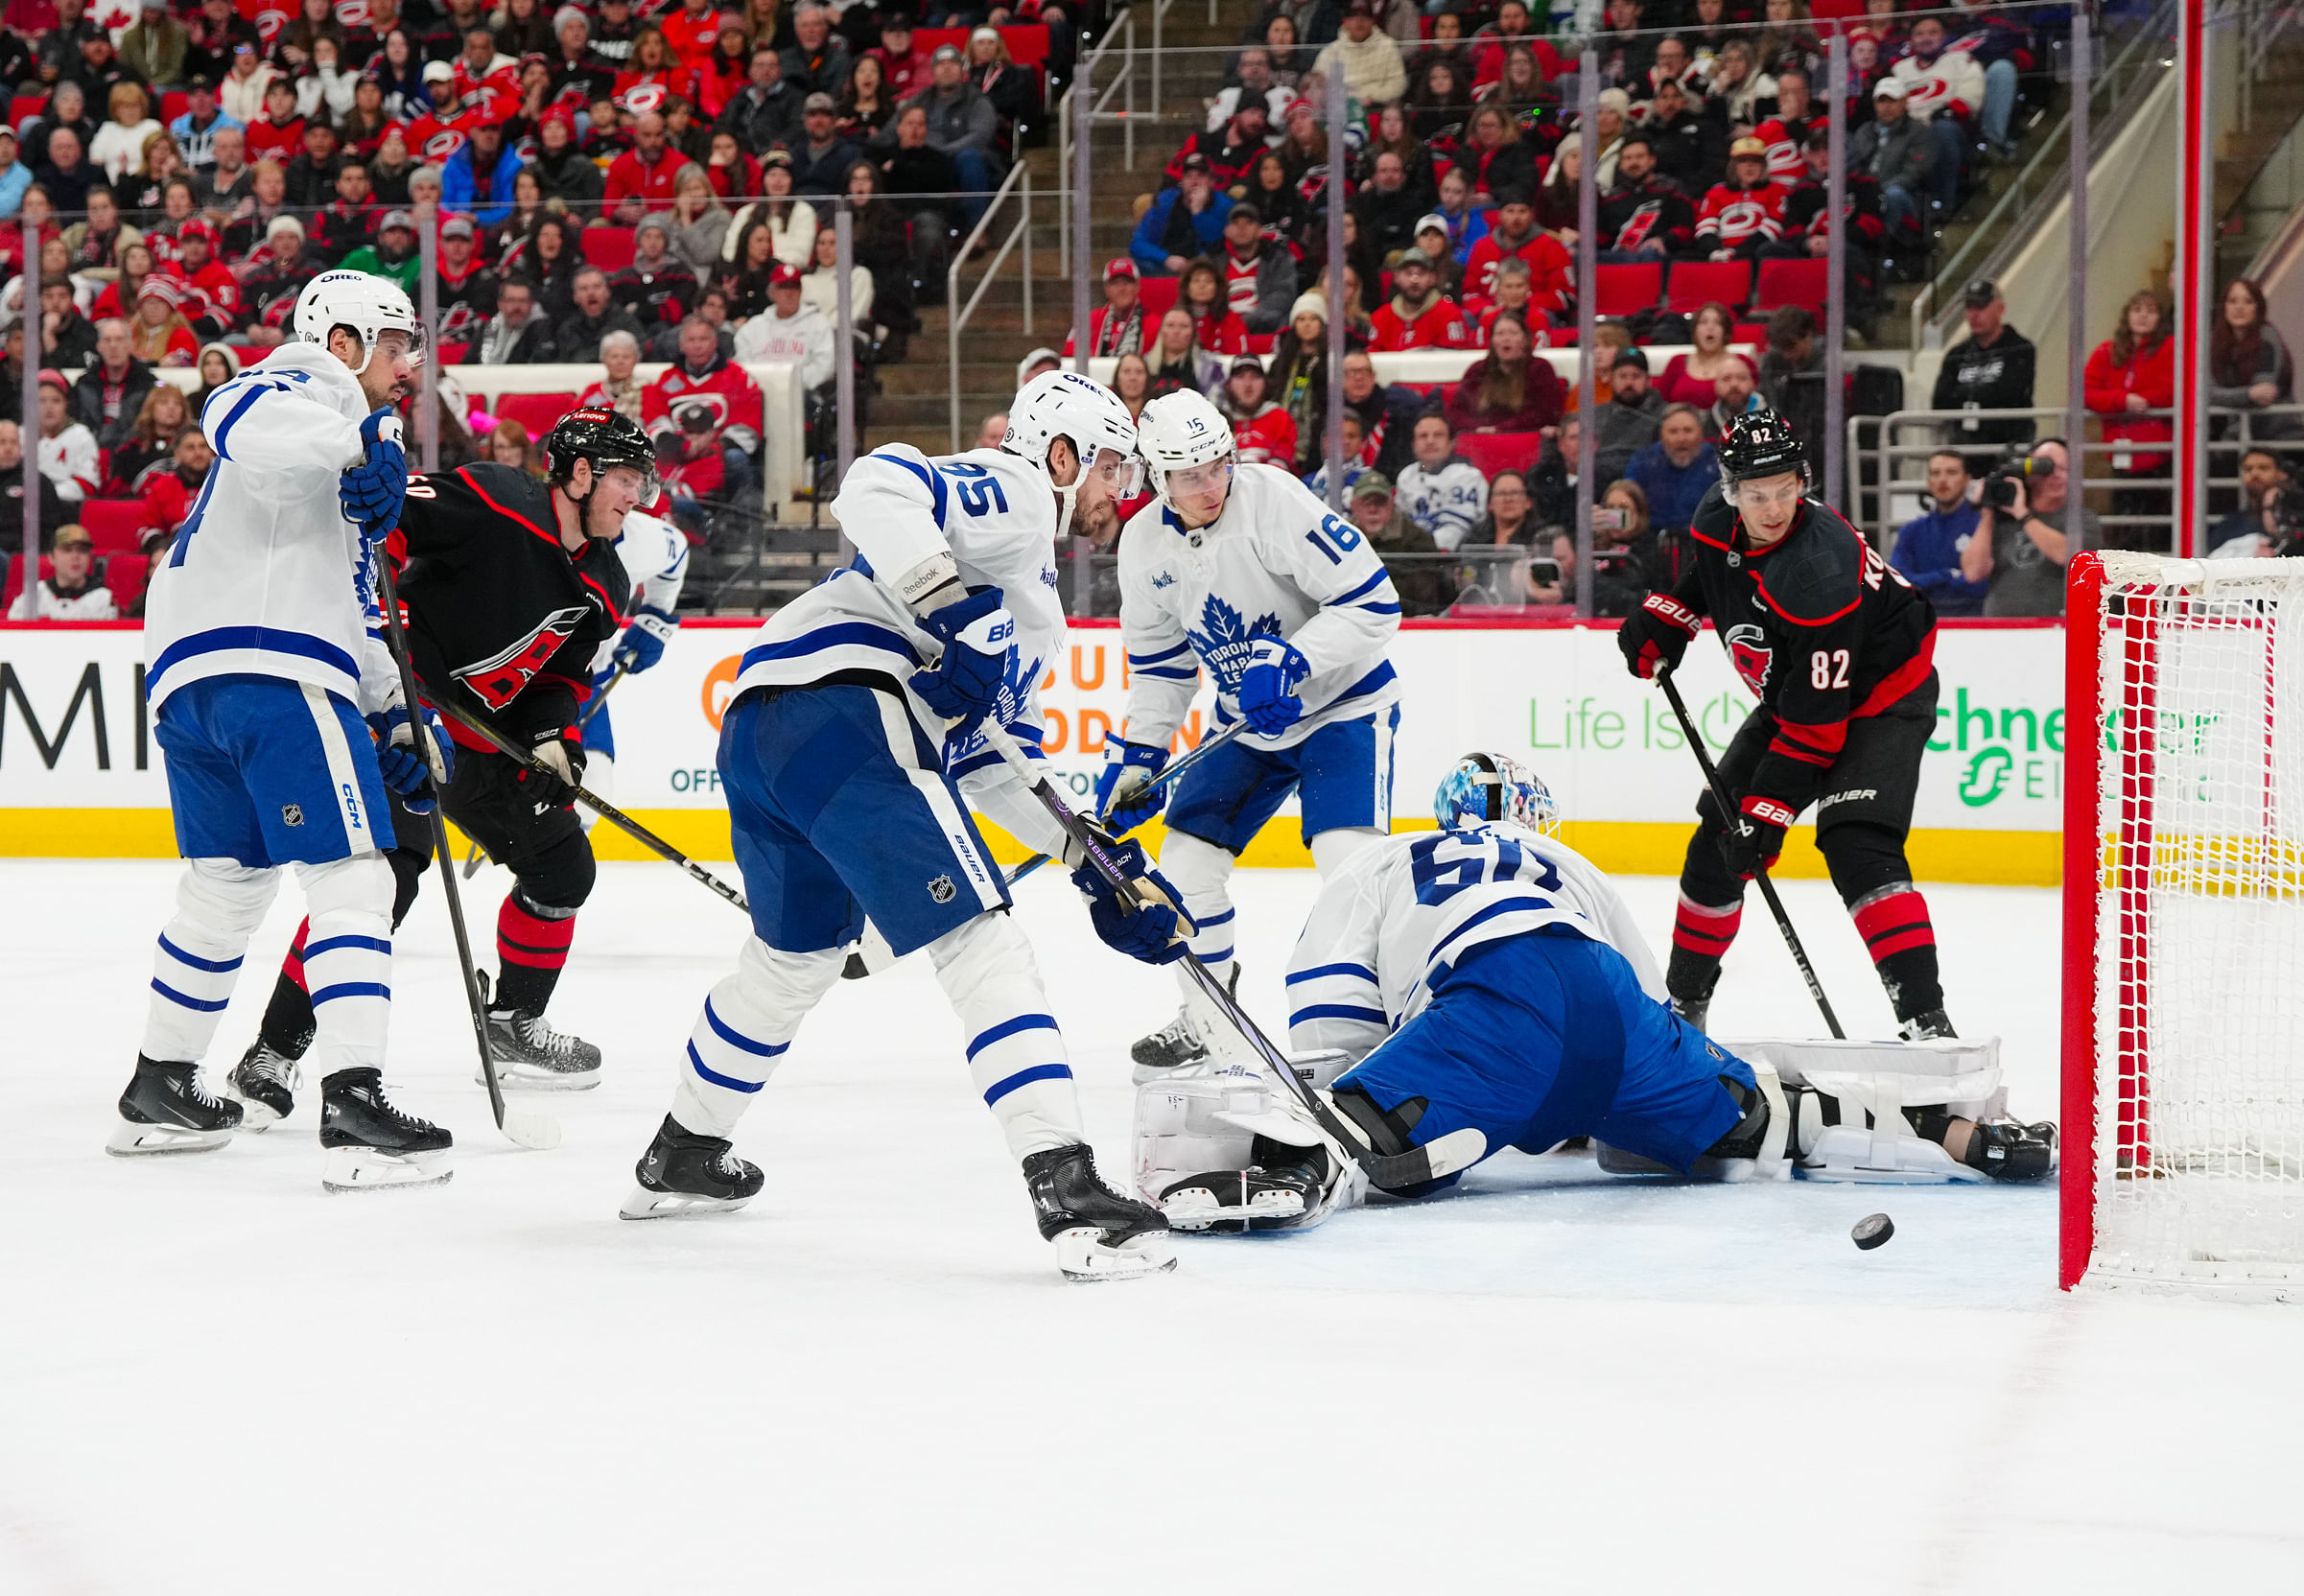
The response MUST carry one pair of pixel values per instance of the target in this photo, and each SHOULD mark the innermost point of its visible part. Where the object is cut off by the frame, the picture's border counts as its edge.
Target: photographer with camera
(2021, 544)
(2271, 517)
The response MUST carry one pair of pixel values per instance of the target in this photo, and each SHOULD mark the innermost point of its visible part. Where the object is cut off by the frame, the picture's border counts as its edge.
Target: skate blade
(538, 1133)
(132, 1140)
(514, 1078)
(1198, 1207)
(1082, 1255)
(373, 1170)
(645, 1204)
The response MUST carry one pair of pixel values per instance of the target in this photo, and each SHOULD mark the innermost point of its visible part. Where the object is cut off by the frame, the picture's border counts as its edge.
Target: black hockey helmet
(604, 436)
(1760, 443)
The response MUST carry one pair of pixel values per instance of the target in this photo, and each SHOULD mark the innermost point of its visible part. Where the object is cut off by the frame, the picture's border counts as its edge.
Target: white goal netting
(2198, 1167)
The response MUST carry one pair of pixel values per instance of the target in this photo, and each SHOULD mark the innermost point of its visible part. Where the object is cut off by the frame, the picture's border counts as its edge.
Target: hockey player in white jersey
(851, 754)
(1238, 569)
(655, 555)
(1487, 976)
(263, 654)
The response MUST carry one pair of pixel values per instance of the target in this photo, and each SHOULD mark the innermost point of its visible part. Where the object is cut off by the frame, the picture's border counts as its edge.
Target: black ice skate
(1927, 1027)
(1099, 1234)
(684, 1173)
(1176, 1045)
(263, 1084)
(2008, 1151)
(371, 1143)
(530, 1055)
(1230, 1201)
(167, 1109)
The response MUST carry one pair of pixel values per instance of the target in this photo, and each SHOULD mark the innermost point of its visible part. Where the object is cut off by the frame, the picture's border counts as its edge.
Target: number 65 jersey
(1402, 910)
(1277, 562)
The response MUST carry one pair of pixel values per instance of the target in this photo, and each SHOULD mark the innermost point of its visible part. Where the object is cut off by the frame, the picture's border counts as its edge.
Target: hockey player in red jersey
(1417, 315)
(1744, 215)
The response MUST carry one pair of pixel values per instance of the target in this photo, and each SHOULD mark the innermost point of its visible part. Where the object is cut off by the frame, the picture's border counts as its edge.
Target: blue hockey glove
(1125, 796)
(371, 491)
(402, 764)
(642, 643)
(979, 638)
(1267, 696)
(1154, 932)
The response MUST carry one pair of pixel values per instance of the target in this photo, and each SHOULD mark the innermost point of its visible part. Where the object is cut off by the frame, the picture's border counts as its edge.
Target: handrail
(956, 314)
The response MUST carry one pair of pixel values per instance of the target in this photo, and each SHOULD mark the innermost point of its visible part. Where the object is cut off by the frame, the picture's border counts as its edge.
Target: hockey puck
(1872, 1231)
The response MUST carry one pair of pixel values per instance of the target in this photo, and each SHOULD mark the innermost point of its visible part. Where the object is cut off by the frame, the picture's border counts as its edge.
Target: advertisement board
(80, 774)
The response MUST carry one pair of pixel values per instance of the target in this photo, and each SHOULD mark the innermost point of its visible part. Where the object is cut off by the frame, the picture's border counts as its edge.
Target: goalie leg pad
(1207, 1145)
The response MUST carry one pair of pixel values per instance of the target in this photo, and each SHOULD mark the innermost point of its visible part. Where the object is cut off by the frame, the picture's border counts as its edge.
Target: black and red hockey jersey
(1653, 209)
(1818, 626)
(497, 604)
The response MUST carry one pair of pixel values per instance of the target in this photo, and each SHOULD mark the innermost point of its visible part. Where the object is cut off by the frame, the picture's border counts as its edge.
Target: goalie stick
(1768, 888)
(472, 721)
(873, 954)
(523, 1127)
(477, 857)
(1388, 1172)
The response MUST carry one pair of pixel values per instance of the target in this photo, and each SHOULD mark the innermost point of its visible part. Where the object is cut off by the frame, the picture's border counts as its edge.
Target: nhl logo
(1734, 560)
(293, 813)
(941, 889)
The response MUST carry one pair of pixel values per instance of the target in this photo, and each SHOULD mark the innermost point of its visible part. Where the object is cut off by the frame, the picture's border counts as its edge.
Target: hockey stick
(471, 721)
(524, 1127)
(1387, 1172)
(477, 856)
(873, 954)
(1768, 888)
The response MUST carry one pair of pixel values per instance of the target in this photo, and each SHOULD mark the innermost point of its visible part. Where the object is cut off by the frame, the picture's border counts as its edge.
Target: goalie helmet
(1066, 404)
(1760, 443)
(1179, 430)
(369, 306)
(1482, 788)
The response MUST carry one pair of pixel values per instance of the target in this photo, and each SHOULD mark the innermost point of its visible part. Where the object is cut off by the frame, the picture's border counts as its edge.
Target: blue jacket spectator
(14, 182)
(1676, 470)
(1928, 547)
(463, 174)
(1184, 221)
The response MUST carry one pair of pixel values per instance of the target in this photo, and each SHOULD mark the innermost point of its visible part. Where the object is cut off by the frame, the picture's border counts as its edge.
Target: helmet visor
(1122, 475)
(1204, 478)
(398, 343)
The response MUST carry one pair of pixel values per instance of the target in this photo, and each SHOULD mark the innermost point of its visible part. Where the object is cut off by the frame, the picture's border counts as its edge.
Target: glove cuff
(1768, 811)
(1672, 612)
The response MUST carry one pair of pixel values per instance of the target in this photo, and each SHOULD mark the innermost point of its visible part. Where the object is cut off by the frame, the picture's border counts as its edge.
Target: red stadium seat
(1492, 452)
(1803, 283)
(24, 106)
(125, 575)
(610, 248)
(1750, 332)
(1159, 294)
(536, 411)
(117, 524)
(1261, 344)
(173, 102)
(451, 354)
(1695, 283)
(1628, 289)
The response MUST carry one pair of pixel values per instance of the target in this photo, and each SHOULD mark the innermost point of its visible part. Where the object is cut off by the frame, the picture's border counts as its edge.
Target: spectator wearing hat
(613, 30)
(1116, 327)
(213, 35)
(1183, 223)
(1808, 231)
(791, 329)
(1440, 490)
(820, 156)
(1899, 155)
(1422, 585)
(1254, 85)
(271, 278)
(1038, 363)
(1742, 215)
(157, 332)
(1990, 369)
(1627, 422)
(1646, 217)
(67, 450)
(1513, 235)
(1432, 238)
(1676, 470)
(905, 64)
(1260, 274)
(477, 180)
(704, 413)
(725, 68)
(644, 179)
(394, 254)
(1417, 315)
(658, 287)
(597, 313)
(963, 126)
(75, 591)
(309, 179)
(195, 132)
(1370, 59)
(578, 75)
(564, 172)
(818, 60)
(1262, 432)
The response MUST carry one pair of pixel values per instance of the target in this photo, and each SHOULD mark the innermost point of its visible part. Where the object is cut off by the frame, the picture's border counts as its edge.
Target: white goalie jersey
(1407, 906)
(995, 514)
(266, 578)
(1277, 562)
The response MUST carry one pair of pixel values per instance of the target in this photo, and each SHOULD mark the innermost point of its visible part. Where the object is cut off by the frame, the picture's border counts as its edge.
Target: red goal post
(2184, 1055)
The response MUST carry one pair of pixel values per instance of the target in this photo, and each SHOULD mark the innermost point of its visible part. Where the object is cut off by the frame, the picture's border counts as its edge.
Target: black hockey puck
(1872, 1231)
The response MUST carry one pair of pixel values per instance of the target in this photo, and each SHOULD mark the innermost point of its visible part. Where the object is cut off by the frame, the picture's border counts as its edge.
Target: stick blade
(538, 1133)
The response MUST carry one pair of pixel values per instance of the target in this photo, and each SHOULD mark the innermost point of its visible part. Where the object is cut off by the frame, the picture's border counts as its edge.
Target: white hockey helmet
(1179, 430)
(369, 305)
(1066, 404)
(1484, 788)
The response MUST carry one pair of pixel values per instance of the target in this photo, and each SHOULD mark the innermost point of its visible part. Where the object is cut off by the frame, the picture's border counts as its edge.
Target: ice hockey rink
(214, 1377)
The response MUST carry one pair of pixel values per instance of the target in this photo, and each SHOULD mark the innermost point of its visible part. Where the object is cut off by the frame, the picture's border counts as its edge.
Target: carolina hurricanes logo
(269, 20)
(353, 14)
(641, 97)
(1748, 649)
(1742, 217)
(687, 405)
(443, 144)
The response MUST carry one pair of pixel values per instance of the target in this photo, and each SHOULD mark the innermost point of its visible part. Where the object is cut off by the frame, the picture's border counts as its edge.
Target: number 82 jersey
(1277, 562)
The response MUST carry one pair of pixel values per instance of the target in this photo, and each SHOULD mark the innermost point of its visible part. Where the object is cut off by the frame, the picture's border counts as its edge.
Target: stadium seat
(610, 248)
(124, 574)
(536, 411)
(15, 580)
(23, 107)
(1628, 289)
(1750, 332)
(1696, 283)
(451, 354)
(1159, 294)
(1261, 344)
(173, 102)
(1490, 453)
(1802, 283)
(116, 525)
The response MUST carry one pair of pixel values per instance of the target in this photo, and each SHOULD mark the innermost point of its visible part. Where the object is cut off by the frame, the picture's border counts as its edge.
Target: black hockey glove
(558, 769)
(1153, 932)
(1754, 838)
(1656, 634)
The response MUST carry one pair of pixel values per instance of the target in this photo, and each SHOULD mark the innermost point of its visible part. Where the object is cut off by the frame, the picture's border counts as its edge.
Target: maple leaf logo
(1228, 640)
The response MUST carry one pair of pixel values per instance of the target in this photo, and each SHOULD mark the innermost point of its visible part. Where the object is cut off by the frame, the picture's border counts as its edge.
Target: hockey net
(2184, 923)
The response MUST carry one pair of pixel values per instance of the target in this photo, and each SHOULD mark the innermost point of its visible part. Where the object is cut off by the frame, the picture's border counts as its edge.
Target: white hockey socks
(349, 962)
(219, 906)
(1015, 1052)
(1200, 871)
(747, 1023)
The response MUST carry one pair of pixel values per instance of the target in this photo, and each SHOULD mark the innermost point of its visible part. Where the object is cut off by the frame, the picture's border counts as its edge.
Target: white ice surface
(214, 1377)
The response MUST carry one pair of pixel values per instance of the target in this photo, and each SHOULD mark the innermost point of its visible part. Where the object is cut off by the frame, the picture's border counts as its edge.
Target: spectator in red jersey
(158, 332)
(1645, 218)
(1417, 315)
(486, 80)
(196, 266)
(1117, 328)
(1230, 151)
(278, 134)
(704, 413)
(1515, 236)
(905, 67)
(1509, 389)
(1261, 428)
(1260, 274)
(1200, 291)
(1786, 133)
(722, 73)
(654, 75)
(643, 178)
(1743, 216)
(689, 30)
(2134, 370)
(467, 288)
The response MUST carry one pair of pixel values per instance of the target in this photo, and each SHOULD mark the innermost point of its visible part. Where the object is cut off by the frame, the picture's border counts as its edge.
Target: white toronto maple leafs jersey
(1277, 562)
(266, 578)
(1403, 909)
(655, 555)
(1445, 499)
(995, 513)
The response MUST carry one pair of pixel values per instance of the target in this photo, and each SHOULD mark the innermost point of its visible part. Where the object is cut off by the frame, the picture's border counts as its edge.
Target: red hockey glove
(1752, 842)
(1656, 635)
